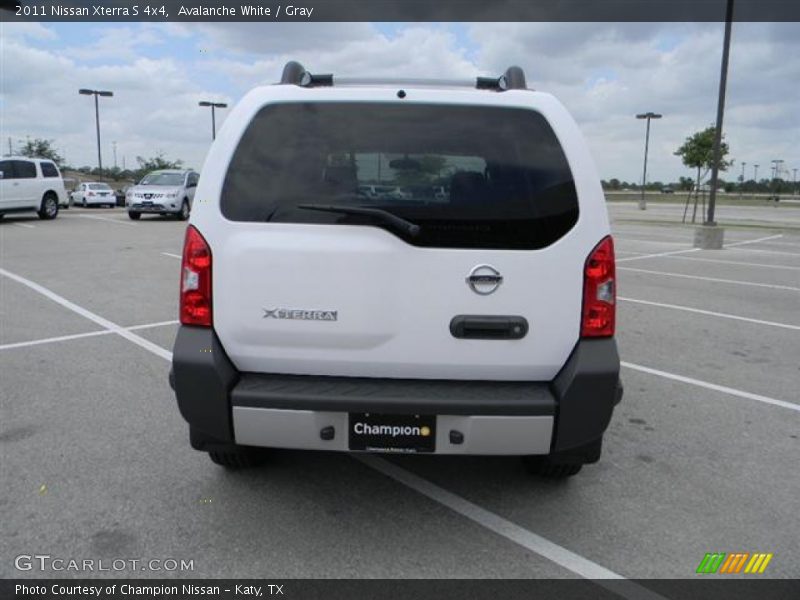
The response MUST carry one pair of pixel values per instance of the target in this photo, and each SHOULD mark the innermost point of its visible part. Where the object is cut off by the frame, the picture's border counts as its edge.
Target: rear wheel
(560, 465)
(543, 466)
(49, 207)
(134, 216)
(237, 457)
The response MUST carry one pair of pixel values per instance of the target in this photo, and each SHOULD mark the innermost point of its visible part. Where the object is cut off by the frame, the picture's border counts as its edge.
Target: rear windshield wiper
(408, 227)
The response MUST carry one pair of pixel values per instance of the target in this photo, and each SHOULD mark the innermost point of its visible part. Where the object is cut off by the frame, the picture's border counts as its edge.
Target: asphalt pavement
(701, 455)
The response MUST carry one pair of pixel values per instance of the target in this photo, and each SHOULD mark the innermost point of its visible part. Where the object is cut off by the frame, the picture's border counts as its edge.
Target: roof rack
(296, 74)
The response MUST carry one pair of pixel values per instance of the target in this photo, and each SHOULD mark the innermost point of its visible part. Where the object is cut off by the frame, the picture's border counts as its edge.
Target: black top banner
(399, 10)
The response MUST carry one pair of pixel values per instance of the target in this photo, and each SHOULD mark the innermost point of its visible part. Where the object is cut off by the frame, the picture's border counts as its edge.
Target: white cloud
(603, 72)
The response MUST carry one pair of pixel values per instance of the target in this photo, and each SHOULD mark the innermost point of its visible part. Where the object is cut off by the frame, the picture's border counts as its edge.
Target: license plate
(392, 433)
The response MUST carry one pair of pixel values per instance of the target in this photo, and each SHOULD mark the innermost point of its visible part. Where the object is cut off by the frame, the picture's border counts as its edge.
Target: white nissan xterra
(476, 321)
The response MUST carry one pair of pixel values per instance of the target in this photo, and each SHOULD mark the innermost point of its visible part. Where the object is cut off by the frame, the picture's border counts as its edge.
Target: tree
(697, 152)
(155, 163)
(614, 184)
(41, 148)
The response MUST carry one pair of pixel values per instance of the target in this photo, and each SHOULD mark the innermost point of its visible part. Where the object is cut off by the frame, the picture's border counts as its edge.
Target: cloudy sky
(603, 72)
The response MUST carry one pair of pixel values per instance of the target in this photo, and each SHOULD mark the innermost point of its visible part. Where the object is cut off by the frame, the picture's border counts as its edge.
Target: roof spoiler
(296, 74)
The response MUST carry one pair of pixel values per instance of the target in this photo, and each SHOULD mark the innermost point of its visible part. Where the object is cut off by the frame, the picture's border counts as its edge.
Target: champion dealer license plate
(392, 433)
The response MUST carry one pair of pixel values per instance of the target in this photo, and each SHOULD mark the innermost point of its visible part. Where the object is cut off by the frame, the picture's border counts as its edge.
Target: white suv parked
(165, 192)
(317, 317)
(31, 184)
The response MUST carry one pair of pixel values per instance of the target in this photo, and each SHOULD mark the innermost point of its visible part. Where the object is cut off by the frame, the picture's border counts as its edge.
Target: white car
(94, 194)
(313, 317)
(164, 192)
(30, 184)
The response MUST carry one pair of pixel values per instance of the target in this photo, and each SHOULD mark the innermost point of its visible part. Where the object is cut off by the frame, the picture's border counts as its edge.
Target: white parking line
(25, 225)
(733, 262)
(574, 562)
(638, 241)
(688, 250)
(780, 252)
(732, 281)
(710, 313)
(558, 554)
(755, 241)
(178, 256)
(104, 323)
(712, 386)
(511, 531)
(117, 221)
(643, 256)
(78, 336)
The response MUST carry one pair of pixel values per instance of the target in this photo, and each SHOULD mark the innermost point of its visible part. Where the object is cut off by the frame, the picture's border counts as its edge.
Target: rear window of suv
(49, 169)
(469, 176)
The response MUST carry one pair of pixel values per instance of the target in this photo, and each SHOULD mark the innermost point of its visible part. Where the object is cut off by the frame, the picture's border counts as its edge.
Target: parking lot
(701, 456)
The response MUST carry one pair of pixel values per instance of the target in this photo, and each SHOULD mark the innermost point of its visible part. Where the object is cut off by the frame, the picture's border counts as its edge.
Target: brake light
(195, 304)
(90, 194)
(599, 291)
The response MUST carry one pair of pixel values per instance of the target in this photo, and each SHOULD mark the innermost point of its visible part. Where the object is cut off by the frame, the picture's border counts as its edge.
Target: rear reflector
(599, 291)
(195, 304)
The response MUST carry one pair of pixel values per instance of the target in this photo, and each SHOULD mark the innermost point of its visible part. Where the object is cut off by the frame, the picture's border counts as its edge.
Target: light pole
(755, 174)
(114, 146)
(776, 170)
(96, 93)
(213, 106)
(648, 116)
(741, 185)
(723, 81)
(794, 182)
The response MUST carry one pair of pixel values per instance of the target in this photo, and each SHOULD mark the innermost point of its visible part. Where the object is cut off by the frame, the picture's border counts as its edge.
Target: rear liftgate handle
(489, 327)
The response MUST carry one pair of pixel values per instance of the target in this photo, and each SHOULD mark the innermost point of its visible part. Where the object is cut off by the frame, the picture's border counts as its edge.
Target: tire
(237, 457)
(543, 466)
(134, 216)
(49, 207)
(185, 210)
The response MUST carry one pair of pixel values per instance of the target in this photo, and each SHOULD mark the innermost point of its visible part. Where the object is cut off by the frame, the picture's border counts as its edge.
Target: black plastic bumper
(581, 397)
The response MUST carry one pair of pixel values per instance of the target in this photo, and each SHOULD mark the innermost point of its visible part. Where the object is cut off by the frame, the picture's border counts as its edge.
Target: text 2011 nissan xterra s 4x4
(470, 313)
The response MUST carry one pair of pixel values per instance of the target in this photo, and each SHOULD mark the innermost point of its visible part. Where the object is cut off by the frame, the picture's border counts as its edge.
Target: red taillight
(195, 280)
(90, 194)
(599, 291)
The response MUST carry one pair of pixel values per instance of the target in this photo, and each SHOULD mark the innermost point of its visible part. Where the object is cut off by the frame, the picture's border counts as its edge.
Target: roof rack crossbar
(296, 74)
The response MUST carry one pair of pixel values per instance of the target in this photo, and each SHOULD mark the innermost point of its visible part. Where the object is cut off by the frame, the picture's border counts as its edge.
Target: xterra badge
(300, 314)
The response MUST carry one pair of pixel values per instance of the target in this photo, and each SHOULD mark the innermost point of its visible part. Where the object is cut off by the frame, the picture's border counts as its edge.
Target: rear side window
(24, 169)
(469, 176)
(6, 170)
(49, 169)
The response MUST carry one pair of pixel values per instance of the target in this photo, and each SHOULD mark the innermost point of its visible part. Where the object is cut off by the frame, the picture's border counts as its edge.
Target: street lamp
(648, 116)
(213, 106)
(741, 185)
(776, 171)
(755, 174)
(96, 93)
